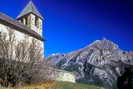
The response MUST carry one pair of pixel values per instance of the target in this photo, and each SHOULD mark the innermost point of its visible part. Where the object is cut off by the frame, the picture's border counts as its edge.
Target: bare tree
(21, 62)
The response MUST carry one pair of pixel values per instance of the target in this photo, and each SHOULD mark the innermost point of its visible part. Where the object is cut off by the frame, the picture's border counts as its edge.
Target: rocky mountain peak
(104, 44)
(100, 63)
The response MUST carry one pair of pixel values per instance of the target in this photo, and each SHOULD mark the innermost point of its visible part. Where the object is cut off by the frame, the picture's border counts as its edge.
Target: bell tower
(31, 17)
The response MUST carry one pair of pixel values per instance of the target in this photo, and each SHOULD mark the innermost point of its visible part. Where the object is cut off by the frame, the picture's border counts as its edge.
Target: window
(0, 34)
(26, 23)
(36, 22)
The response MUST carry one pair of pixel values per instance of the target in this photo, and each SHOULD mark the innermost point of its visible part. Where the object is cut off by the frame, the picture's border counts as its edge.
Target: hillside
(100, 63)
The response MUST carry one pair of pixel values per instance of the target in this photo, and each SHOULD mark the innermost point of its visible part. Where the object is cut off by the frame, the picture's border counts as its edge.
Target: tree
(21, 62)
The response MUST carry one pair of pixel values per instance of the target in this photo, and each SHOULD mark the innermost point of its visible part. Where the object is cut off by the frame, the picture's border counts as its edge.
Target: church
(28, 24)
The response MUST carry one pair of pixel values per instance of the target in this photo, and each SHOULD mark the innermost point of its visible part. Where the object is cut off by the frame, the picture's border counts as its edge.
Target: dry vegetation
(21, 63)
(58, 85)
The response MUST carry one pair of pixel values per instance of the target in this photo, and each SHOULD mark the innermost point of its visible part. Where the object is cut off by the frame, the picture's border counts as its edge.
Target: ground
(57, 85)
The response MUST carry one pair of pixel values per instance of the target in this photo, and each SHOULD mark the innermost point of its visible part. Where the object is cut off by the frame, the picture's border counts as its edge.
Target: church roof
(30, 8)
(15, 24)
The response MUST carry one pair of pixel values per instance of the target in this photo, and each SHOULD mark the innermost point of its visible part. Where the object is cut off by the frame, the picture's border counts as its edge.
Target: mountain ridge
(100, 63)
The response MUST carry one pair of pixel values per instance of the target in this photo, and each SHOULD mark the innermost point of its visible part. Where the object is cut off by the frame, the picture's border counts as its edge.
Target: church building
(27, 26)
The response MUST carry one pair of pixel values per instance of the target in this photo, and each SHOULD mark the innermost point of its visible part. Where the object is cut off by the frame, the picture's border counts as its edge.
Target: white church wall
(18, 35)
(3, 28)
(65, 76)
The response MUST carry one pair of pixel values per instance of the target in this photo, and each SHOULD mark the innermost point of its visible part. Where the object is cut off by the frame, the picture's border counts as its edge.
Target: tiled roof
(30, 8)
(8, 21)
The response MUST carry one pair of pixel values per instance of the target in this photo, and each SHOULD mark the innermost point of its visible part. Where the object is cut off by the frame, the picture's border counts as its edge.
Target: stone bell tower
(31, 17)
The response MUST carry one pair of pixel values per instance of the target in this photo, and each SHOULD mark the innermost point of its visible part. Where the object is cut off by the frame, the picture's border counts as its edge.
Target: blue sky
(73, 24)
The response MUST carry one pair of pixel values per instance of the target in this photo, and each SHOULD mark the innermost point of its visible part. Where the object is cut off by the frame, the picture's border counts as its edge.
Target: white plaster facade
(66, 77)
(62, 75)
(5, 30)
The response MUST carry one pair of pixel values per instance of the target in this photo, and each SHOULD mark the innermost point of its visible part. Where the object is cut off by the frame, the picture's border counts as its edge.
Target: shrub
(21, 62)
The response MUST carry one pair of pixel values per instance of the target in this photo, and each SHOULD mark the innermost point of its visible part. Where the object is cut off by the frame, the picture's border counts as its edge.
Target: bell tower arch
(32, 18)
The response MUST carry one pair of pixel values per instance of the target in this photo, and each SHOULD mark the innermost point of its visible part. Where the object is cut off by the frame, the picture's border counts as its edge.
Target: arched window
(0, 34)
(36, 22)
(26, 19)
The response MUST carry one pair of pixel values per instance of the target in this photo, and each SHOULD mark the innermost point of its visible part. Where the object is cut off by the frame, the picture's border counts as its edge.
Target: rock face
(100, 63)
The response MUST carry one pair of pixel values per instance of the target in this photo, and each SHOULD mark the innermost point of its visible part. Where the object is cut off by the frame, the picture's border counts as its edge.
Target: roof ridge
(30, 8)
(15, 24)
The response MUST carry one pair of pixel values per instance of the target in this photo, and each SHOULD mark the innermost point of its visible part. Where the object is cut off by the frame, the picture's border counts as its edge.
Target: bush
(21, 62)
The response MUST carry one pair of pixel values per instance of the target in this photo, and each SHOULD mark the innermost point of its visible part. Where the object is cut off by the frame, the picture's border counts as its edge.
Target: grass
(57, 85)
(65, 85)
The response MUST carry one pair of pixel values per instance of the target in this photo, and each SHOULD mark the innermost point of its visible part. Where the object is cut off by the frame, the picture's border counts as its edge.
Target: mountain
(100, 63)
